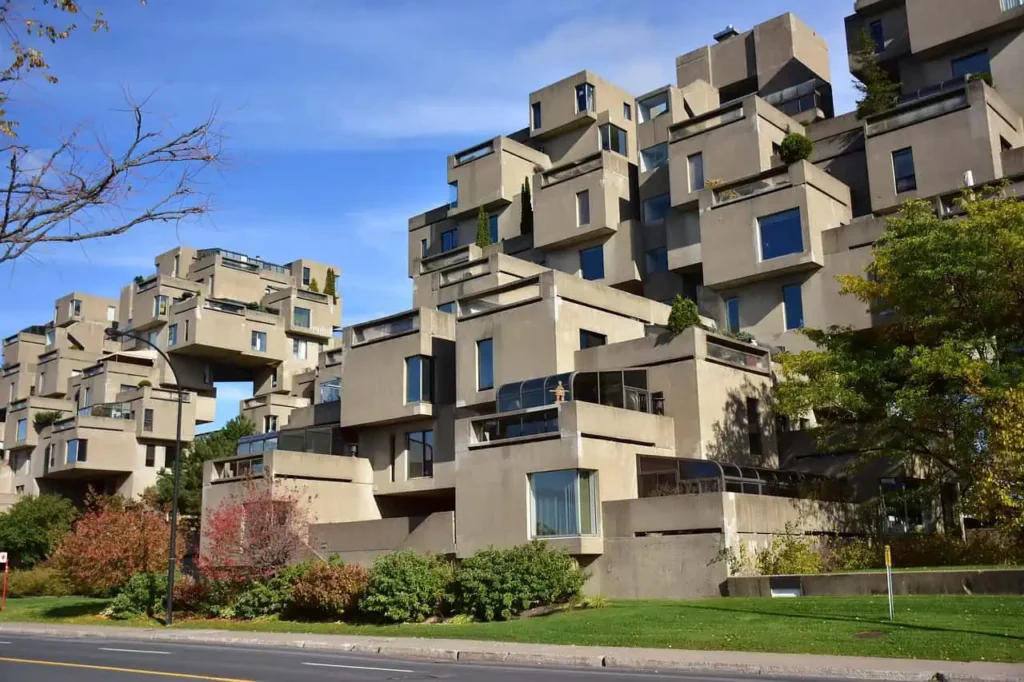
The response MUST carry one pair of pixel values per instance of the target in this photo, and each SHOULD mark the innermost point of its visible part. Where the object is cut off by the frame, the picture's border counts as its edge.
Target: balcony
(491, 175)
(770, 224)
(399, 325)
(240, 261)
(581, 201)
(937, 23)
(447, 259)
(90, 445)
(26, 345)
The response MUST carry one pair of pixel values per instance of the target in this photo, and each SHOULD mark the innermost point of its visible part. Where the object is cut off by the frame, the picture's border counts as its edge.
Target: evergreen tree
(683, 316)
(313, 286)
(877, 90)
(329, 284)
(526, 222)
(483, 229)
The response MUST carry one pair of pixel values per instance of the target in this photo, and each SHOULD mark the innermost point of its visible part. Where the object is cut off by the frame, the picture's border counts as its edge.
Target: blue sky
(338, 116)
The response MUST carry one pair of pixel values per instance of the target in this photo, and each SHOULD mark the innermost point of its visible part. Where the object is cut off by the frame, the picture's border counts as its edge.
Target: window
(613, 139)
(732, 315)
(300, 317)
(75, 308)
(153, 336)
(453, 194)
(655, 209)
(172, 335)
(51, 456)
(393, 446)
(111, 313)
(449, 240)
(418, 379)
(492, 224)
(627, 111)
(273, 380)
(420, 448)
(187, 325)
(159, 305)
(564, 503)
(584, 97)
(147, 419)
(51, 334)
(657, 260)
(22, 430)
(88, 396)
(589, 339)
(972, 63)
(447, 307)
(124, 388)
(793, 304)
(299, 349)
(583, 208)
(652, 107)
(781, 234)
(77, 451)
(535, 111)
(177, 266)
(259, 342)
(42, 383)
(877, 35)
(484, 364)
(305, 277)
(269, 423)
(695, 167)
(903, 170)
(754, 425)
(423, 248)
(654, 157)
(150, 456)
(168, 458)
(592, 262)
(1008, 5)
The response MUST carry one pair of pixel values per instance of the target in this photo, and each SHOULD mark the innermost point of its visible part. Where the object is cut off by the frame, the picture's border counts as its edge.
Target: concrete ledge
(556, 656)
(983, 581)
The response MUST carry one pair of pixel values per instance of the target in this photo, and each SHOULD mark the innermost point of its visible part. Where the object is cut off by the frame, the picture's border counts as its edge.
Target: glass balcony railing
(706, 122)
(243, 262)
(475, 153)
(734, 356)
(108, 410)
(375, 332)
(749, 189)
(330, 391)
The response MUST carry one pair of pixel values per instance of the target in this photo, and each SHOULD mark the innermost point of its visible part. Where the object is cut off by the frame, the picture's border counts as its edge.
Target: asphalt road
(38, 659)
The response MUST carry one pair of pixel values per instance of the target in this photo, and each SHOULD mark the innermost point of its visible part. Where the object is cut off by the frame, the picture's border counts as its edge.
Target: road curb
(557, 656)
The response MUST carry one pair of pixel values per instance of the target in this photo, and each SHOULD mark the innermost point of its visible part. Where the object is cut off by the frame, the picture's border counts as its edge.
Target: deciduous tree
(32, 528)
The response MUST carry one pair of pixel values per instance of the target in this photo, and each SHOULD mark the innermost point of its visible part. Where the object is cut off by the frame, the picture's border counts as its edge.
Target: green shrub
(789, 554)
(143, 594)
(329, 591)
(407, 587)
(497, 584)
(37, 582)
(795, 147)
(268, 597)
(144, 383)
(987, 77)
(46, 418)
(683, 315)
(851, 554)
(31, 530)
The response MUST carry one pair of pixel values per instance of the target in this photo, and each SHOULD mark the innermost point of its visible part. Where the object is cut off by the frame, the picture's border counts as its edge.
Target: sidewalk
(467, 651)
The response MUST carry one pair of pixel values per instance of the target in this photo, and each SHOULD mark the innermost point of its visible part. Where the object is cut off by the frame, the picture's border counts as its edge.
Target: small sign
(3, 557)
(888, 557)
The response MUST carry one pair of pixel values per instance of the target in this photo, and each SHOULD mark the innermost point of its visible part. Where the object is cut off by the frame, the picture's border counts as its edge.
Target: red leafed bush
(112, 541)
(252, 535)
(329, 591)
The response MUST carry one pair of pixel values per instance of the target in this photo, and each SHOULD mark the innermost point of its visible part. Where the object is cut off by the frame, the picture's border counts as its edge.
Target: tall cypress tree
(329, 285)
(483, 229)
(526, 221)
(878, 91)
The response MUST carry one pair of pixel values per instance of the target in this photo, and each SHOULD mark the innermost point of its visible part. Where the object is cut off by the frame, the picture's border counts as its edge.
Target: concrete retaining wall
(652, 567)
(986, 581)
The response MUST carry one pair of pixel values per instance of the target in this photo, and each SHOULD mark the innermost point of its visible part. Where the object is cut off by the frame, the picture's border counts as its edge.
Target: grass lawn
(961, 628)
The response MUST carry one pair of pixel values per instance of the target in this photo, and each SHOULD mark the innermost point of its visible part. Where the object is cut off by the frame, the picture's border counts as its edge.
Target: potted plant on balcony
(46, 418)
(795, 147)
(683, 316)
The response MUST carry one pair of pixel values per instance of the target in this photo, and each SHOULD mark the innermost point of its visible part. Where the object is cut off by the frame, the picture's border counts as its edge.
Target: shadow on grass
(73, 610)
(859, 621)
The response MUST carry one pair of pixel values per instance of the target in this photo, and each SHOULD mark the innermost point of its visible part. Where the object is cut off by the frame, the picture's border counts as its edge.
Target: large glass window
(269, 423)
(147, 419)
(305, 277)
(695, 167)
(22, 430)
(77, 451)
(657, 260)
(584, 97)
(484, 364)
(653, 157)
(447, 307)
(535, 109)
(627, 111)
(300, 317)
(420, 448)
(492, 224)
(613, 139)
(781, 234)
(564, 503)
(589, 339)
(172, 335)
(75, 307)
(583, 208)
(592, 262)
(903, 170)
(453, 194)
(299, 349)
(656, 208)
(732, 314)
(159, 305)
(877, 34)
(418, 381)
(449, 240)
(652, 107)
(259, 342)
(972, 63)
(793, 304)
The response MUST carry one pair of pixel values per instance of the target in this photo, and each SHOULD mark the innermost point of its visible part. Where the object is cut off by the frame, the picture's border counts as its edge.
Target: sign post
(3, 599)
(888, 580)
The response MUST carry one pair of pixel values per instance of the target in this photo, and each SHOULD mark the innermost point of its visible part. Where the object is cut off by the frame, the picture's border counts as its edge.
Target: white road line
(134, 651)
(359, 667)
(4, 642)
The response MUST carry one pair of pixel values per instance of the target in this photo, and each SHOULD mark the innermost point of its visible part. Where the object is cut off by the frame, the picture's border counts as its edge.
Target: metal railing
(706, 122)
(475, 153)
(1007, 5)
(108, 411)
(733, 356)
(244, 260)
(374, 332)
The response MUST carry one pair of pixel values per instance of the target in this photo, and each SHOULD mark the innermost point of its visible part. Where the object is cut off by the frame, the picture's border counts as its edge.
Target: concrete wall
(669, 567)
(952, 581)
(362, 541)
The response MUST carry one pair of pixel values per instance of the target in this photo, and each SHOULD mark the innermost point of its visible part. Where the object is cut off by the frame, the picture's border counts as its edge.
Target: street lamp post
(118, 334)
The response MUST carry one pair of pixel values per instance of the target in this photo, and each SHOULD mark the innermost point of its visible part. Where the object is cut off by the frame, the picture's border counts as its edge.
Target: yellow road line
(120, 670)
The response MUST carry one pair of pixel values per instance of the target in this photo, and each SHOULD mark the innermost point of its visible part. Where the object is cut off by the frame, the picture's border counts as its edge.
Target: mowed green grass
(962, 628)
